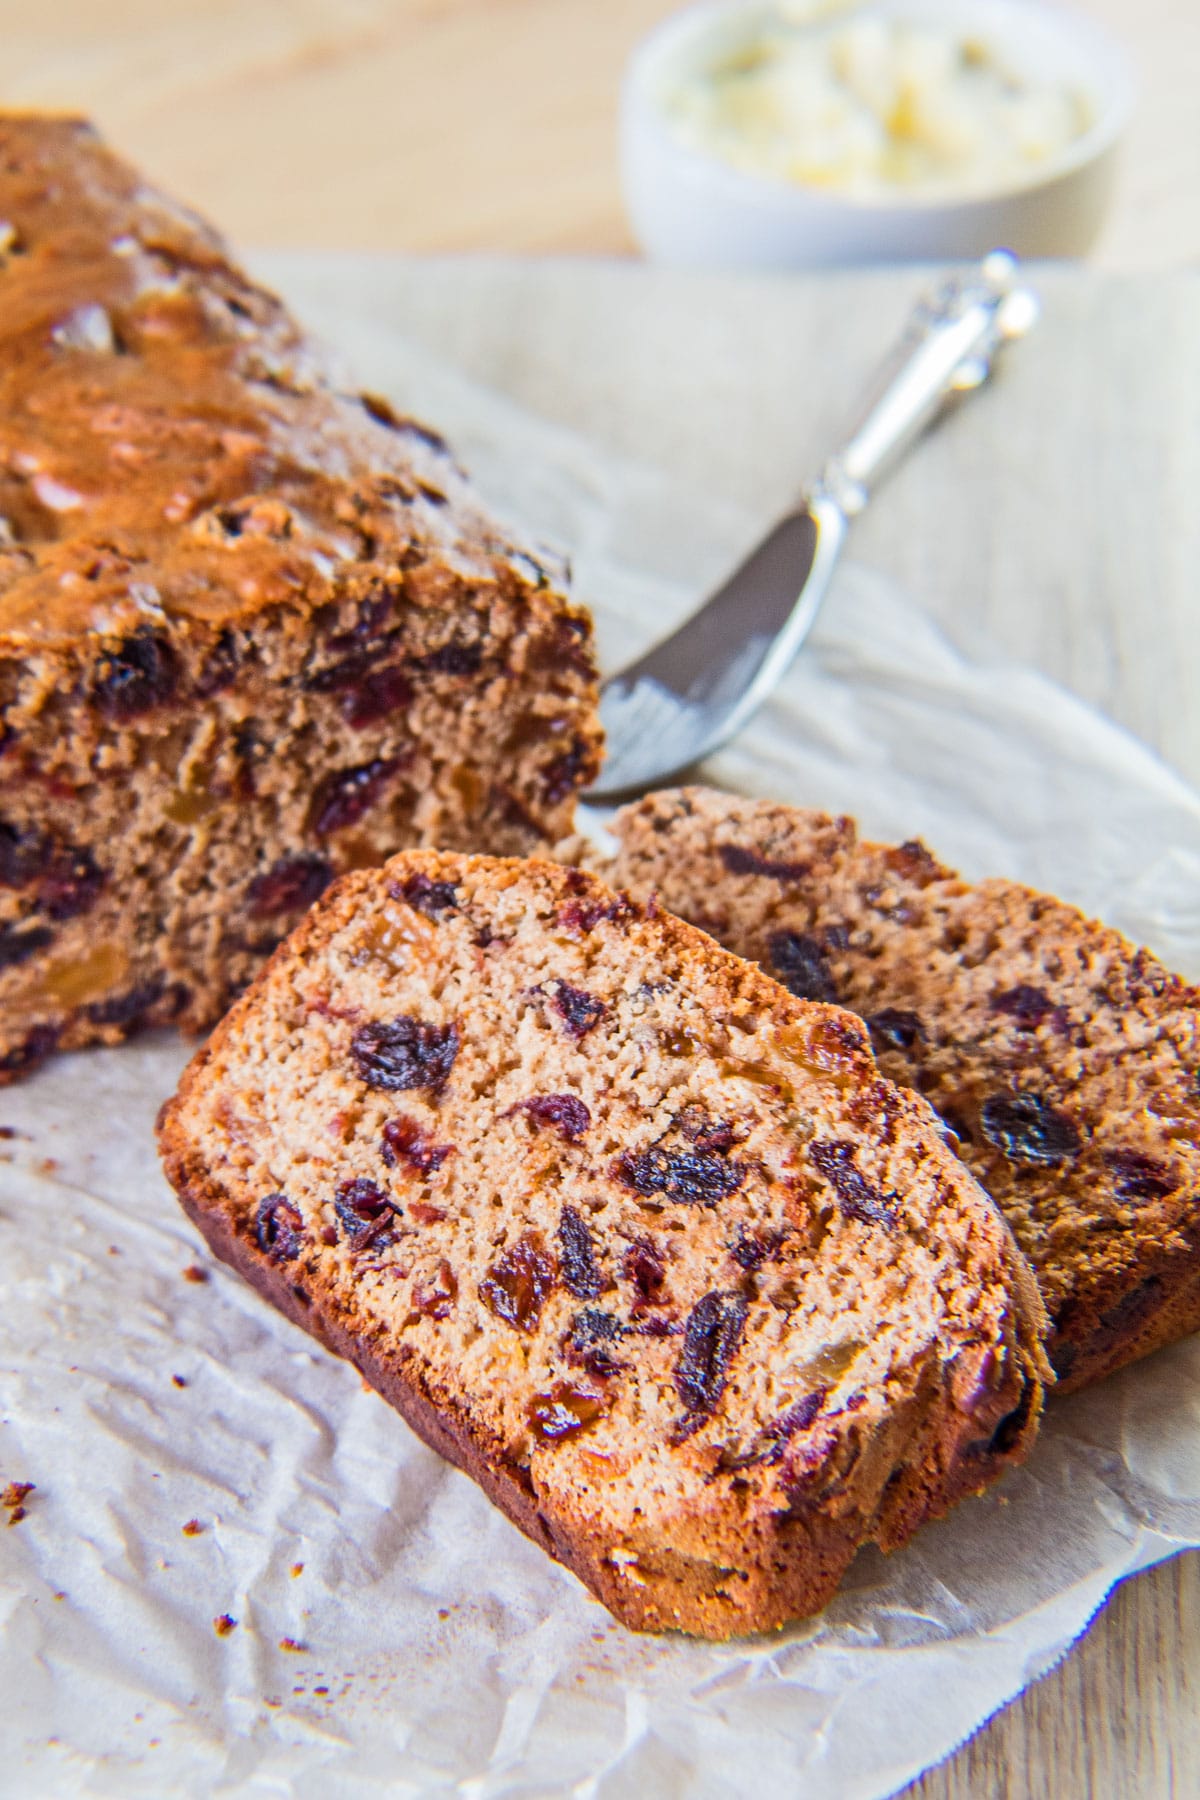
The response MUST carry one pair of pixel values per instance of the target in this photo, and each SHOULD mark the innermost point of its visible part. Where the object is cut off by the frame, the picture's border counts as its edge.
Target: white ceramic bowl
(693, 210)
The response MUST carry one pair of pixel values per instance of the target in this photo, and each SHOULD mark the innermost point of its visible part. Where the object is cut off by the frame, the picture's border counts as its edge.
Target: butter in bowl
(802, 133)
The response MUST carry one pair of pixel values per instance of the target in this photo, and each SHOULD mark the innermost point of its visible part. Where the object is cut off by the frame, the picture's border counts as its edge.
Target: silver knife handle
(947, 348)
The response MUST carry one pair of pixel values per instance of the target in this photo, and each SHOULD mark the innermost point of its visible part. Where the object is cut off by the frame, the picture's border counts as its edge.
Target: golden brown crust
(739, 1538)
(147, 387)
(1066, 1059)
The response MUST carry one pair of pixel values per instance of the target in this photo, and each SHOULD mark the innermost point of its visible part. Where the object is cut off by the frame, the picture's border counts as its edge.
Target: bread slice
(645, 1245)
(1066, 1061)
(254, 630)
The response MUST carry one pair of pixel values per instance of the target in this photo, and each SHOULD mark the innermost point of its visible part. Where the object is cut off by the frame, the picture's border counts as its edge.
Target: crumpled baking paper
(197, 1459)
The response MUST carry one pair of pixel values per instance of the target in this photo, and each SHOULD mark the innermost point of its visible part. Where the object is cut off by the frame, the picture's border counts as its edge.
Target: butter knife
(697, 688)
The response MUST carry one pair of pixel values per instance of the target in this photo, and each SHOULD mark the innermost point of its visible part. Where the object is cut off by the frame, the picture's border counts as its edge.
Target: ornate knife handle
(947, 348)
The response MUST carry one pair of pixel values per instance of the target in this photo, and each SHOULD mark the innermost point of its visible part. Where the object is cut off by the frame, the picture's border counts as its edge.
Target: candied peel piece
(73, 981)
(393, 936)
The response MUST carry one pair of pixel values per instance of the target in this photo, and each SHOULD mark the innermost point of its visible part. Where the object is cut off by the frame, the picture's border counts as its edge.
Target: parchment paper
(393, 1634)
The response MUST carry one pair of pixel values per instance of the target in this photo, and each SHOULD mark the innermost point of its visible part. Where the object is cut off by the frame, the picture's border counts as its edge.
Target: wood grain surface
(488, 125)
(464, 124)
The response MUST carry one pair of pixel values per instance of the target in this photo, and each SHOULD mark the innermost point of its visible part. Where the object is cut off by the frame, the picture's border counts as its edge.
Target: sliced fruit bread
(647, 1246)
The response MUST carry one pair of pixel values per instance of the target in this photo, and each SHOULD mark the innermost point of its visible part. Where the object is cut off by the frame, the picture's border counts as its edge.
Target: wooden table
(488, 124)
(463, 124)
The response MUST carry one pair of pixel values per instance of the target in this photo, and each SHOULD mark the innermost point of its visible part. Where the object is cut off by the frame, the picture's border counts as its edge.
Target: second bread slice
(1065, 1060)
(645, 1245)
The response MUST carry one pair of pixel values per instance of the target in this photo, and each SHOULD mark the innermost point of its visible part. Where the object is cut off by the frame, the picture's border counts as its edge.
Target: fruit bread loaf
(1066, 1062)
(645, 1245)
(254, 630)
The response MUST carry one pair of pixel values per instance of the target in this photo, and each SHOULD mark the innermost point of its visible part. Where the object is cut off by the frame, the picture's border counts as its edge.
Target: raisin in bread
(1066, 1061)
(645, 1245)
(254, 631)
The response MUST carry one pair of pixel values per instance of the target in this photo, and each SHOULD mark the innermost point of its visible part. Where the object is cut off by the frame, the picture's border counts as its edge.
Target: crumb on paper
(195, 1273)
(193, 1528)
(296, 1569)
(13, 1499)
(223, 1625)
(113, 1250)
(61, 1594)
(49, 1165)
(179, 1381)
(293, 1646)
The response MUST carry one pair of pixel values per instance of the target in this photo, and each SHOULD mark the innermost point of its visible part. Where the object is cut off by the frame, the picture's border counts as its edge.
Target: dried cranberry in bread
(645, 1245)
(254, 631)
(1066, 1061)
